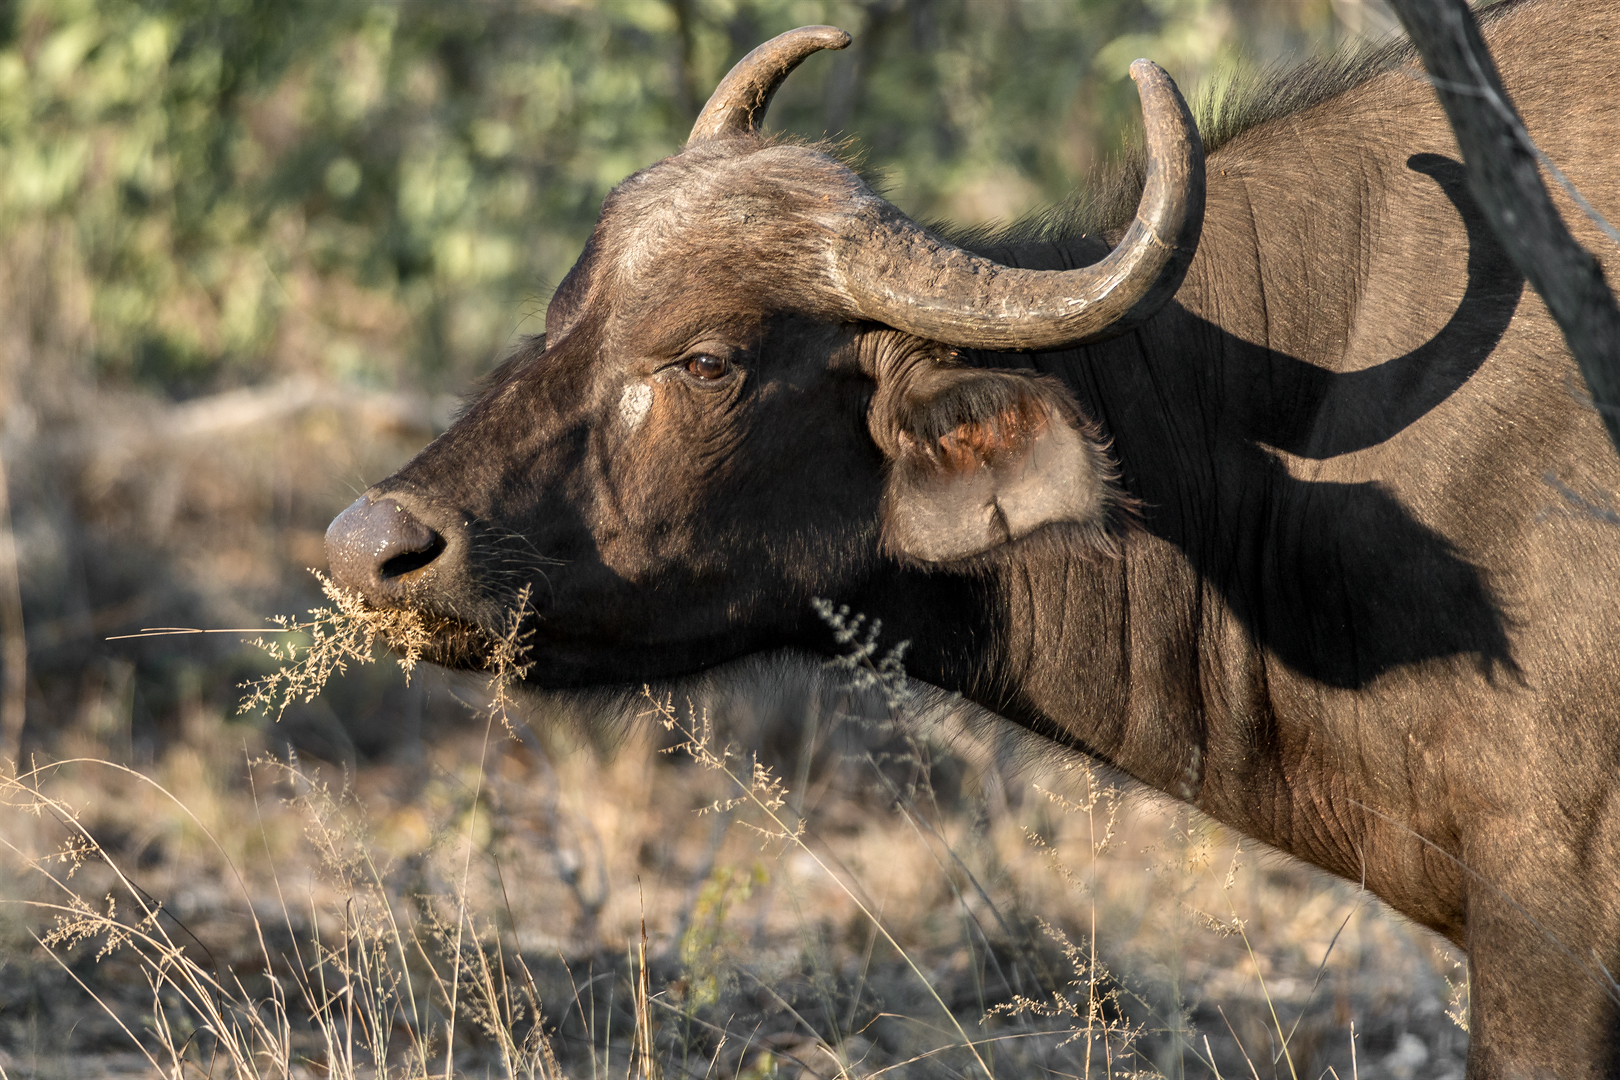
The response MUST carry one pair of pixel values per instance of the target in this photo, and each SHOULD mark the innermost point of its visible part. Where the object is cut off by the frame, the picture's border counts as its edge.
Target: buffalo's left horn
(738, 104)
(892, 270)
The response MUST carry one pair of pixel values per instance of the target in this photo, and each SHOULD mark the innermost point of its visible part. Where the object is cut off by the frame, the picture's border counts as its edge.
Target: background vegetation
(251, 251)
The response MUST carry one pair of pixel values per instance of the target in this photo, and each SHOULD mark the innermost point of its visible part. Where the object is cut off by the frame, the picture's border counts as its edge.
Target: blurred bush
(372, 191)
(250, 245)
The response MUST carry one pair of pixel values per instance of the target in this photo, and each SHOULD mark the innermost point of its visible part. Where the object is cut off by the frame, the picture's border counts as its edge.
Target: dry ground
(950, 886)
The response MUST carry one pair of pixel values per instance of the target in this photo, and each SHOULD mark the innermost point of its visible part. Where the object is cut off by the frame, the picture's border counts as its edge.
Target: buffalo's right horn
(738, 104)
(892, 270)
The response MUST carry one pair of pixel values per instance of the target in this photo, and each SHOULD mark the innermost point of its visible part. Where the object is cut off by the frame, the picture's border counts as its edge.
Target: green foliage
(384, 193)
(707, 947)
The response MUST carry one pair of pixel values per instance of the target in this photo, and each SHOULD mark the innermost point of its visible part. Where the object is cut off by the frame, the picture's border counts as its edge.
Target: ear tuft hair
(984, 457)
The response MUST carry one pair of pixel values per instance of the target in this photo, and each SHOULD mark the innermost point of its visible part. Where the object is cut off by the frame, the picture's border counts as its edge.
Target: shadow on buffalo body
(1339, 580)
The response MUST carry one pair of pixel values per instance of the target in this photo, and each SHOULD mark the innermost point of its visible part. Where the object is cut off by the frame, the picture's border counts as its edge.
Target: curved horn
(898, 273)
(737, 106)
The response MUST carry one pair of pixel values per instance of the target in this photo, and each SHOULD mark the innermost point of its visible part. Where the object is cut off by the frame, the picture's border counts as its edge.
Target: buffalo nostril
(373, 544)
(406, 561)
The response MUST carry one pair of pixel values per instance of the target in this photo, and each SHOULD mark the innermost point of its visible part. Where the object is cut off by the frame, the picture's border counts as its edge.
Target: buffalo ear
(983, 457)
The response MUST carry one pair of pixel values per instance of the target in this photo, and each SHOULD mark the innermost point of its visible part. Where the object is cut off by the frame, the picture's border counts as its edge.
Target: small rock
(1407, 1058)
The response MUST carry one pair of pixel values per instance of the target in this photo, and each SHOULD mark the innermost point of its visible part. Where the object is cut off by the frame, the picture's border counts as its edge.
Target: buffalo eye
(706, 366)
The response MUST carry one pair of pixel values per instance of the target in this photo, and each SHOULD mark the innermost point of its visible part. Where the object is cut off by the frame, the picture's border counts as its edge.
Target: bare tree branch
(1503, 176)
(13, 641)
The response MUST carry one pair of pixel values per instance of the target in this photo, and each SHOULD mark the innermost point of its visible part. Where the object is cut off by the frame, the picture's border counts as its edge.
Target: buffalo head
(751, 392)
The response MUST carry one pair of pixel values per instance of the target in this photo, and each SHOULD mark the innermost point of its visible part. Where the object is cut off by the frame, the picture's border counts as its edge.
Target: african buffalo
(1278, 497)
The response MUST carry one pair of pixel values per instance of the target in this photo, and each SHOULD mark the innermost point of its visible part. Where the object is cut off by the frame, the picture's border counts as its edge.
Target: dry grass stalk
(1094, 998)
(505, 1006)
(765, 793)
(358, 992)
(643, 1054)
(251, 1035)
(378, 982)
(347, 632)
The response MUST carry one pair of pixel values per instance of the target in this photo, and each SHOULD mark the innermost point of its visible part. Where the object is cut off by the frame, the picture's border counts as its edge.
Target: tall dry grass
(862, 895)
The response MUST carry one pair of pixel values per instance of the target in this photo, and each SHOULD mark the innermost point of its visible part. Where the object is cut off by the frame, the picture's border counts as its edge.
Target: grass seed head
(348, 631)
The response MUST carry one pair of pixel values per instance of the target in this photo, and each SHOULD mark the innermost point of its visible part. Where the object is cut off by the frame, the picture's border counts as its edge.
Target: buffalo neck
(1162, 660)
(1126, 657)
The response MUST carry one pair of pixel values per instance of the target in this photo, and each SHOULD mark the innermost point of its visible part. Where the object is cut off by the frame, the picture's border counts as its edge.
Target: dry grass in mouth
(349, 632)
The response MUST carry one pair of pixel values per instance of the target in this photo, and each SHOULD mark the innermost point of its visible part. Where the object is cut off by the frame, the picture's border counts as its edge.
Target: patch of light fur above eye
(634, 403)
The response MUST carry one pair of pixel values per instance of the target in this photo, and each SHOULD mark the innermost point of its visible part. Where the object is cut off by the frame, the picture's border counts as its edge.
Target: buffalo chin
(443, 642)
